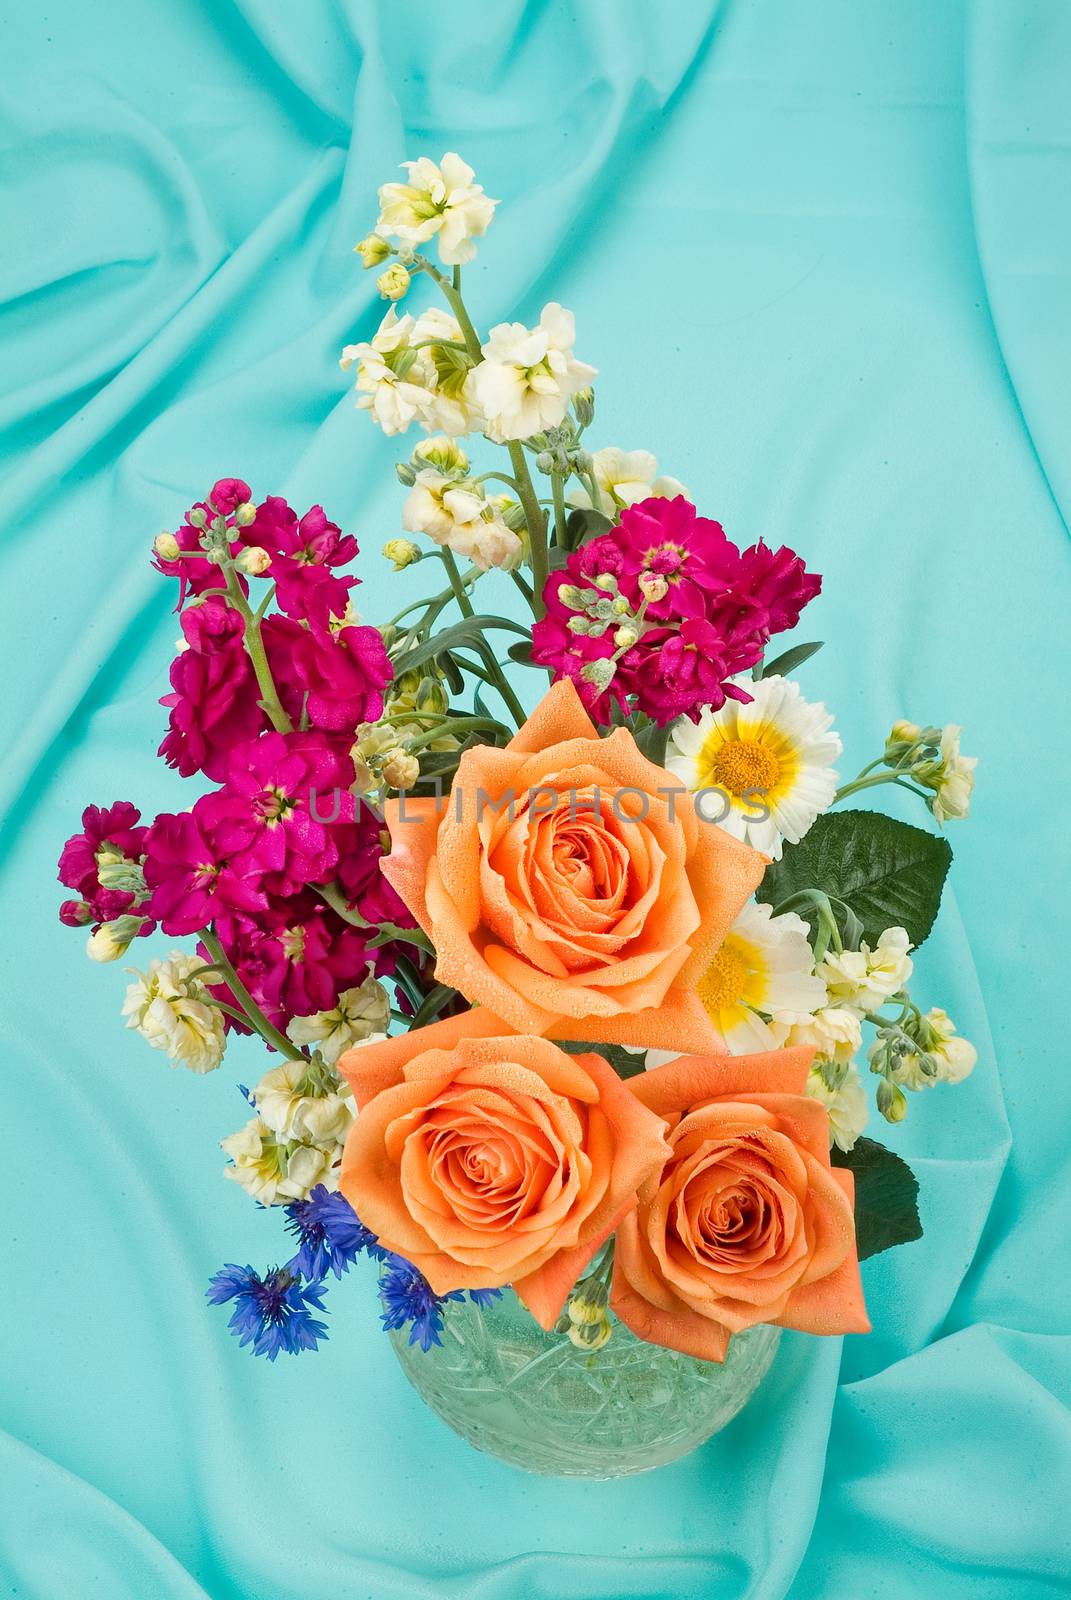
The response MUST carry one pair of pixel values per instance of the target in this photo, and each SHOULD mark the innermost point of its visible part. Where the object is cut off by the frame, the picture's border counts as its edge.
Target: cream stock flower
(274, 1171)
(527, 375)
(865, 979)
(171, 1010)
(455, 514)
(437, 200)
(835, 1032)
(624, 477)
(846, 1105)
(400, 384)
(301, 1106)
(954, 779)
(357, 1015)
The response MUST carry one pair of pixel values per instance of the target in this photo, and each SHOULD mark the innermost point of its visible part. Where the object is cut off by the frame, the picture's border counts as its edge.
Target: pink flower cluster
(330, 674)
(248, 858)
(707, 610)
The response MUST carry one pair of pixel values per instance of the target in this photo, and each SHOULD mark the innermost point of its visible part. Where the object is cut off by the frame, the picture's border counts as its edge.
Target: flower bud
(166, 546)
(400, 770)
(892, 1101)
(584, 406)
(545, 462)
(245, 513)
(431, 698)
(254, 561)
(198, 517)
(76, 913)
(578, 624)
(570, 596)
(583, 461)
(601, 673)
(405, 474)
(591, 1335)
(403, 552)
(620, 607)
(112, 939)
(625, 638)
(372, 250)
(394, 283)
(653, 587)
(606, 582)
(119, 874)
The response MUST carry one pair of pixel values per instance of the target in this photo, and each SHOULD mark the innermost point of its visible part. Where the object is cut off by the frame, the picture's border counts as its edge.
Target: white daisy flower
(439, 199)
(528, 375)
(767, 765)
(624, 477)
(764, 970)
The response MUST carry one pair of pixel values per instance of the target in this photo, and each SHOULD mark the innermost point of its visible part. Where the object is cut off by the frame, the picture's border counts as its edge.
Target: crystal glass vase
(536, 1400)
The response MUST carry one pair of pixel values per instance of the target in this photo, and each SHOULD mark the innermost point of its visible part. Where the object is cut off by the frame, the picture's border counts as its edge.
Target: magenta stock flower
(297, 957)
(114, 828)
(191, 874)
(702, 611)
(281, 807)
(303, 555)
(198, 575)
(335, 677)
(215, 704)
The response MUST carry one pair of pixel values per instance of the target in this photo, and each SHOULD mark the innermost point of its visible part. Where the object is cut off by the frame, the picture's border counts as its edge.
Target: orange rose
(568, 884)
(747, 1222)
(493, 1160)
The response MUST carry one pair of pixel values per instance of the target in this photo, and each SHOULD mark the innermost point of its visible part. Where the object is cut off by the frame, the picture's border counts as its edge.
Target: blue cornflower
(485, 1297)
(408, 1297)
(330, 1234)
(273, 1312)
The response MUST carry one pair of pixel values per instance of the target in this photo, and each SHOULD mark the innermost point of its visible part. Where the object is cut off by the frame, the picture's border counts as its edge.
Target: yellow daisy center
(724, 981)
(744, 765)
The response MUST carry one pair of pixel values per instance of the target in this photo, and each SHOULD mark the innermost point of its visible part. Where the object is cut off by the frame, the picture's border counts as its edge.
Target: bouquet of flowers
(568, 1002)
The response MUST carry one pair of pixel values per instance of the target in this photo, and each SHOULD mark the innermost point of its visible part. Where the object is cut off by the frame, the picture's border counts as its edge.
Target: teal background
(820, 254)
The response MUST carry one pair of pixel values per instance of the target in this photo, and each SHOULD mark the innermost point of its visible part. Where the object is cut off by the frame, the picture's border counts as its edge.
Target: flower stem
(254, 1014)
(389, 930)
(464, 605)
(558, 489)
(533, 516)
(254, 644)
(871, 782)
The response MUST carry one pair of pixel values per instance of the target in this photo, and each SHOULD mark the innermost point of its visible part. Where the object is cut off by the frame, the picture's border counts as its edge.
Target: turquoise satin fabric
(820, 254)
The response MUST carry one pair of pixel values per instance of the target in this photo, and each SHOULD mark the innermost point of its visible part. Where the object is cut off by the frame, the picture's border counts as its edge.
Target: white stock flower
(453, 513)
(400, 384)
(763, 969)
(835, 1032)
(955, 778)
(274, 1171)
(297, 1108)
(767, 766)
(624, 477)
(171, 1010)
(357, 1014)
(847, 1105)
(865, 978)
(527, 376)
(437, 200)
(956, 1057)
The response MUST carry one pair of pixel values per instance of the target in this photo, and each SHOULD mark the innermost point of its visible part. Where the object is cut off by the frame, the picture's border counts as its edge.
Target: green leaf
(470, 630)
(782, 665)
(886, 1197)
(890, 874)
(521, 652)
(583, 524)
(626, 1063)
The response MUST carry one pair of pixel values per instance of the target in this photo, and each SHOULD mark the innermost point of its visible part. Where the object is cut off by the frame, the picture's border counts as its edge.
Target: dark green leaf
(470, 630)
(652, 742)
(890, 874)
(626, 1063)
(584, 524)
(521, 652)
(451, 672)
(886, 1197)
(783, 664)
